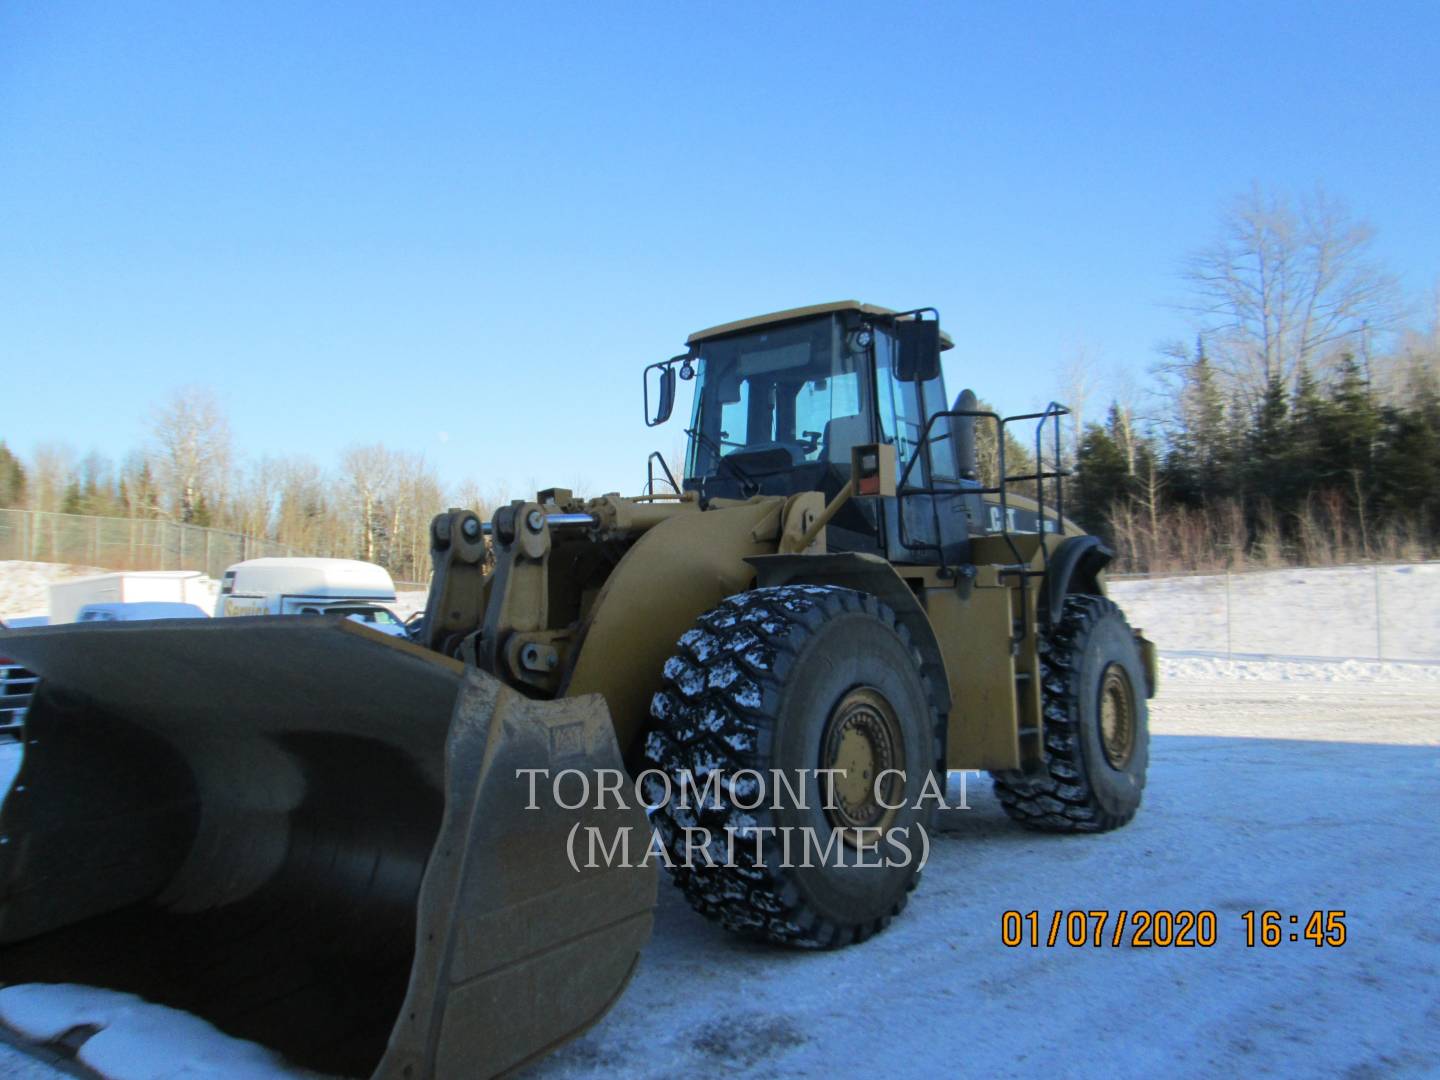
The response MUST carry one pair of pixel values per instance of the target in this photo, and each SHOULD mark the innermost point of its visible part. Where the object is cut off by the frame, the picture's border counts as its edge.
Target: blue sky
(463, 229)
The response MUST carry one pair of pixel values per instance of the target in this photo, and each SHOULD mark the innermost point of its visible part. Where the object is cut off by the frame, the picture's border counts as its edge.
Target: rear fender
(1074, 567)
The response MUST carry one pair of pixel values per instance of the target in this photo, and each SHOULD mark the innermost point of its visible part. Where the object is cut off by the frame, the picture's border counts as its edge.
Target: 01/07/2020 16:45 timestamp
(1163, 928)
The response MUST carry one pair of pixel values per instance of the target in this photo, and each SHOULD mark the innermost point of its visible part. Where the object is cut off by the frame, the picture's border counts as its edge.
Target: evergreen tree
(1407, 460)
(145, 492)
(12, 478)
(1309, 420)
(1102, 477)
(1200, 463)
(71, 503)
(1267, 444)
(1351, 428)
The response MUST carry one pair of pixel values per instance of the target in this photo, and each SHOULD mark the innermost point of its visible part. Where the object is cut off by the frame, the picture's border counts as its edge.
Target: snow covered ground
(1283, 785)
(135, 1038)
(1260, 797)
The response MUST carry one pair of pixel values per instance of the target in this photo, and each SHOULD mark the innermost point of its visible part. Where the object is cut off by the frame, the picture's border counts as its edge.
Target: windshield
(381, 616)
(779, 397)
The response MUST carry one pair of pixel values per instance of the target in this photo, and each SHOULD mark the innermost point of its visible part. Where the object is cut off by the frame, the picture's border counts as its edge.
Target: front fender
(871, 574)
(673, 574)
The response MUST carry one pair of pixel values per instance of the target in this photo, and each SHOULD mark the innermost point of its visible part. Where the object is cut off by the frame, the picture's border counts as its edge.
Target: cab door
(930, 518)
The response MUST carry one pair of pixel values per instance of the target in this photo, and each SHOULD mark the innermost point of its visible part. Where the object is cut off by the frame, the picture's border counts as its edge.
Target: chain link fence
(127, 543)
(1365, 612)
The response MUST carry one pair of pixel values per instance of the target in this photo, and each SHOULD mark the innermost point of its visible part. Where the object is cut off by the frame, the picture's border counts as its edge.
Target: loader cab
(780, 401)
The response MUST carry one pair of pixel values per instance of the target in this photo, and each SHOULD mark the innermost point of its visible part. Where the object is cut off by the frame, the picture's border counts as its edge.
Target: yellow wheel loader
(333, 842)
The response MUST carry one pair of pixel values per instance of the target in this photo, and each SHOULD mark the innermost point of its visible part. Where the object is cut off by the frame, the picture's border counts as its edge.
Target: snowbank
(1183, 668)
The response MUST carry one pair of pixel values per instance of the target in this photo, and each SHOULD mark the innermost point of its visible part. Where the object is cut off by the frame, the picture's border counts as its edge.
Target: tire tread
(716, 709)
(1062, 799)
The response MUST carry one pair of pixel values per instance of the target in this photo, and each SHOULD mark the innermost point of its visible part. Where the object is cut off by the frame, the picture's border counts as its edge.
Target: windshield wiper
(747, 482)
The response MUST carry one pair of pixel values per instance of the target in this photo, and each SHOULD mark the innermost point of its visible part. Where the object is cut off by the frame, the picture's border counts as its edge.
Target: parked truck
(358, 590)
(127, 587)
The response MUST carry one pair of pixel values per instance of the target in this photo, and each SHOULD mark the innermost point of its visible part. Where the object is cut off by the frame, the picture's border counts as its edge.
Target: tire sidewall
(847, 651)
(1110, 641)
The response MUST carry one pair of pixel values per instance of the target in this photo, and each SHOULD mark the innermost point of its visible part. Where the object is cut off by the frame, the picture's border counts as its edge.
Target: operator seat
(962, 436)
(840, 435)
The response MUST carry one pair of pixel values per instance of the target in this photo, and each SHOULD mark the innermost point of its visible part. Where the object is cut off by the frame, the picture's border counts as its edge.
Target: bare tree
(1076, 382)
(469, 496)
(1413, 370)
(305, 517)
(192, 438)
(1286, 284)
(1018, 458)
(49, 473)
(253, 512)
(367, 473)
(1152, 485)
(414, 498)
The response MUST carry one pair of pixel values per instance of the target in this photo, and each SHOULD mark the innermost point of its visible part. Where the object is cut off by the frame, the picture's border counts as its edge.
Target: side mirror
(917, 347)
(664, 393)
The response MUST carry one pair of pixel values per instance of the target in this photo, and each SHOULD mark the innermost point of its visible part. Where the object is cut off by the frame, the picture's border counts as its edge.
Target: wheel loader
(320, 838)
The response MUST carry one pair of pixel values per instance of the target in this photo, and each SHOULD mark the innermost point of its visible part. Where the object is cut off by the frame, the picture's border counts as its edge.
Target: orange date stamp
(1163, 928)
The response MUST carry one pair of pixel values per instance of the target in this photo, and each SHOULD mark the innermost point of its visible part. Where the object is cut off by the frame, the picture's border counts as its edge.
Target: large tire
(776, 678)
(1088, 664)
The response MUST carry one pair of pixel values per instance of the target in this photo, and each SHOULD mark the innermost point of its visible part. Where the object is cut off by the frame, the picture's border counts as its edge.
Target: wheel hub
(862, 739)
(1117, 716)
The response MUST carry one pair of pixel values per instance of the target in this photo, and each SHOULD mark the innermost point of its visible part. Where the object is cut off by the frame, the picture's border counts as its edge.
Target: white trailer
(302, 586)
(127, 587)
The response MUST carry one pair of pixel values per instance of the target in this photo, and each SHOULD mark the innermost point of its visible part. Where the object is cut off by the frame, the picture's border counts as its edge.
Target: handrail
(1052, 412)
(650, 473)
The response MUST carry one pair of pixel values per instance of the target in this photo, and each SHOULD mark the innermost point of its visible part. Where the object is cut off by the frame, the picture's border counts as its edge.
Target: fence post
(1379, 616)
(1228, 633)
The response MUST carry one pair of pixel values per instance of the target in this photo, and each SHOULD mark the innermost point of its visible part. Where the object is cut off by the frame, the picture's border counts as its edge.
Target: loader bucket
(313, 836)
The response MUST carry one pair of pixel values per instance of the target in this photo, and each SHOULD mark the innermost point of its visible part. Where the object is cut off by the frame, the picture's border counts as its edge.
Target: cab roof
(790, 314)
